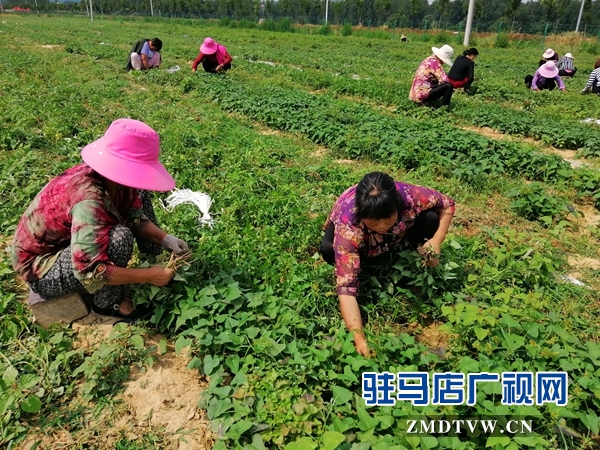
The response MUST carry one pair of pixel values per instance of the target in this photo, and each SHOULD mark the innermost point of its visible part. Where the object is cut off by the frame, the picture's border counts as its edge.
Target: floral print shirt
(73, 209)
(352, 240)
(430, 74)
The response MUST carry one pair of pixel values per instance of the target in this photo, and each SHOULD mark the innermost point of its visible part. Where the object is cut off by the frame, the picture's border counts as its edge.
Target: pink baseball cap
(128, 154)
(209, 46)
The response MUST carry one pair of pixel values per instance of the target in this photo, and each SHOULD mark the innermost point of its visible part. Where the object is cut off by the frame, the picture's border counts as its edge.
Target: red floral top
(430, 74)
(351, 240)
(72, 209)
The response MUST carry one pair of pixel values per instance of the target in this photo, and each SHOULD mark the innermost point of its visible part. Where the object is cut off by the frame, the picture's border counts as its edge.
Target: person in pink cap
(214, 57)
(77, 234)
(546, 77)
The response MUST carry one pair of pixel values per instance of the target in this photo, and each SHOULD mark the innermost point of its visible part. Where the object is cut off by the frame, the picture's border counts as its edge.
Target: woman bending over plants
(369, 219)
(546, 77)
(214, 57)
(593, 83)
(430, 82)
(77, 235)
(463, 70)
(145, 55)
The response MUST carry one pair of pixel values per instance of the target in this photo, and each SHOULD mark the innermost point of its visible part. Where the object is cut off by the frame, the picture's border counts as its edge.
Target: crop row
(532, 119)
(250, 342)
(356, 131)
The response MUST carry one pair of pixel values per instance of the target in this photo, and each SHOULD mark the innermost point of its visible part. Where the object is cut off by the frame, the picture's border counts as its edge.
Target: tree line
(490, 15)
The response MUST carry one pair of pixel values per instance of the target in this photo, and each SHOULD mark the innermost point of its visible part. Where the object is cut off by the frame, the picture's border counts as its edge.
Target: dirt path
(569, 156)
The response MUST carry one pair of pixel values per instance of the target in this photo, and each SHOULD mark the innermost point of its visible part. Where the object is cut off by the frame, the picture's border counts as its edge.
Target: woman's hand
(431, 251)
(361, 344)
(219, 68)
(159, 276)
(174, 244)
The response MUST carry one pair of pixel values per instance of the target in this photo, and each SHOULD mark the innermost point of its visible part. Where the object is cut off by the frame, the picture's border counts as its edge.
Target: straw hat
(128, 154)
(548, 53)
(568, 55)
(445, 53)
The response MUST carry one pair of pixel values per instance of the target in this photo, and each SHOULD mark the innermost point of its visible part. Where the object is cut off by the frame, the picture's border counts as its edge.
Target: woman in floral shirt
(430, 82)
(77, 235)
(369, 219)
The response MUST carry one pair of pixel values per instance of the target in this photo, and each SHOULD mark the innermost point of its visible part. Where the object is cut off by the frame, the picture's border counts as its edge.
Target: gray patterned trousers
(60, 280)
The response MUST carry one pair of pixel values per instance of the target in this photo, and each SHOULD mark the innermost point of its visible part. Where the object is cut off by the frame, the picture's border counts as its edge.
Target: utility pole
(579, 18)
(151, 9)
(469, 22)
(326, 10)
(91, 11)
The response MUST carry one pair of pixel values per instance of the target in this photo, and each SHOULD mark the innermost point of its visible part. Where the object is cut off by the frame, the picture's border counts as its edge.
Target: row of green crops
(359, 132)
(539, 116)
(277, 375)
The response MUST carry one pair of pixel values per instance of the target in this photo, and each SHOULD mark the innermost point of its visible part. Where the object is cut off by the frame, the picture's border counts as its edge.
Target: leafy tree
(415, 9)
(549, 9)
(382, 9)
(443, 7)
(269, 8)
(513, 6)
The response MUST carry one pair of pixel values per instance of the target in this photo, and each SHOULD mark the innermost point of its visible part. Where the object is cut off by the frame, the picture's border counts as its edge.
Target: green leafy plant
(502, 40)
(108, 367)
(347, 29)
(533, 203)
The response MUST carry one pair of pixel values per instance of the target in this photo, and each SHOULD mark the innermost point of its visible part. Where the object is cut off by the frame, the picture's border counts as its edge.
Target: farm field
(255, 319)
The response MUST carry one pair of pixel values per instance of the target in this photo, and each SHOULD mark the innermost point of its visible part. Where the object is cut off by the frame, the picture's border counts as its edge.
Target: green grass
(258, 308)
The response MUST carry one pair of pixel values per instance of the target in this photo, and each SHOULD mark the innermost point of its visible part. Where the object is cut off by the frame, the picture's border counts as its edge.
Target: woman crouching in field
(214, 57)
(430, 82)
(369, 219)
(462, 72)
(546, 77)
(593, 84)
(77, 235)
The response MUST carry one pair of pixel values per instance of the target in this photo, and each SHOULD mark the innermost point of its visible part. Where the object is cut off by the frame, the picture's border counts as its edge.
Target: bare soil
(160, 402)
(165, 397)
(583, 262)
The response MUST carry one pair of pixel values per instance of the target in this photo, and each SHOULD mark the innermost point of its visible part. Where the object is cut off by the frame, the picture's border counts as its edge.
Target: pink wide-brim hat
(548, 70)
(209, 46)
(128, 154)
(549, 53)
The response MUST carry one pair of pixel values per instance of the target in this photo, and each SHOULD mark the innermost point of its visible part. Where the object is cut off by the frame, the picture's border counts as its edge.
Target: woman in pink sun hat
(214, 57)
(77, 235)
(546, 77)
(548, 55)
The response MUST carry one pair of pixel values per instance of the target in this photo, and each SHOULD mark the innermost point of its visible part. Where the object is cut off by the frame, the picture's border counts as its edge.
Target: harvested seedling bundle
(189, 197)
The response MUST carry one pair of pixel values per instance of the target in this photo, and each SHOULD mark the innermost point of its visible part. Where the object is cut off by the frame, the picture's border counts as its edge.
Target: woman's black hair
(471, 51)
(377, 197)
(157, 44)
